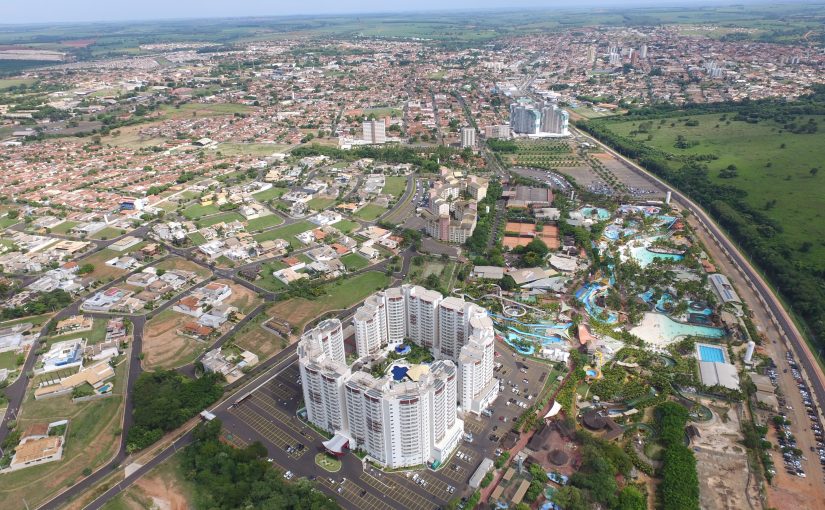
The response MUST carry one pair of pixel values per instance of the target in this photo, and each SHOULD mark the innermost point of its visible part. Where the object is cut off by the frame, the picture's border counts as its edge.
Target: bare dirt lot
(163, 347)
(722, 463)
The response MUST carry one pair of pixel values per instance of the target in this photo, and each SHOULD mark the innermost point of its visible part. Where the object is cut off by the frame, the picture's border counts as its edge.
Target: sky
(48, 11)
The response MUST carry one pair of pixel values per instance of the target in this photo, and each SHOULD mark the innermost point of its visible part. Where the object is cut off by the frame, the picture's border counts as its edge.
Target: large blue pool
(711, 353)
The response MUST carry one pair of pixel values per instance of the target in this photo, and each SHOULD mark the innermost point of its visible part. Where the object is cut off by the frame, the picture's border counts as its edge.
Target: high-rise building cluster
(412, 419)
(449, 218)
(549, 120)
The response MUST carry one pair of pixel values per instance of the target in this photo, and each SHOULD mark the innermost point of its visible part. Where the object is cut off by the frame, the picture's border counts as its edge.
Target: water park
(592, 296)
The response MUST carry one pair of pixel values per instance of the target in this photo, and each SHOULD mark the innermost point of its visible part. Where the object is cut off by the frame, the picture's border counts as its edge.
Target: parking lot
(268, 415)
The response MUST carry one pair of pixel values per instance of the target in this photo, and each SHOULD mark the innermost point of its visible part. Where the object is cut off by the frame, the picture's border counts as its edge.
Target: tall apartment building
(396, 315)
(422, 315)
(329, 335)
(643, 52)
(370, 322)
(524, 119)
(374, 131)
(554, 120)
(323, 377)
(405, 423)
(528, 120)
(468, 137)
(591, 54)
(408, 422)
(497, 131)
(477, 387)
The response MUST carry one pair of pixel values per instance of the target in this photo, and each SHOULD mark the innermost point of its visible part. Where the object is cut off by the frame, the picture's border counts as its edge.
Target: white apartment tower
(374, 131)
(329, 336)
(468, 137)
(478, 389)
(370, 322)
(396, 307)
(422, 315)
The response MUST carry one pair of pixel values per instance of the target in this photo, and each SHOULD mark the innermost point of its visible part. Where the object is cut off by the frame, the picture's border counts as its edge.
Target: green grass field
(270, 220)
(225, 217)
(395, 185)
(8, 360)
(347, 226)
(108, 233)
(339, 295)
(64, 227)
(288, 233)
(319, 204)
(269, 194)
(800, 196)
(197, 238)
(193, 212)
(354, 262)
(250, 149)
(370, 212)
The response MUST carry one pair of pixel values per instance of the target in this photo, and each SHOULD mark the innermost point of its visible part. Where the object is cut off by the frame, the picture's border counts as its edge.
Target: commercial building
(374, 131)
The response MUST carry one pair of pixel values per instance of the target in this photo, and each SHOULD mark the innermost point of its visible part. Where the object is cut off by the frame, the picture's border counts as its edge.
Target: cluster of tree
(533, 253)
(477, 243)
(802, 283)
(594, 484)
(394, 154)
(679, 489)
(164, 400)
(44, 303)
(227, 478)
(505, 146)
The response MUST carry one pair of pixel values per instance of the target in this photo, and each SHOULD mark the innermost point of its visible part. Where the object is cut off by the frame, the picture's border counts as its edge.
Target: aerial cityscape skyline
(533, 256)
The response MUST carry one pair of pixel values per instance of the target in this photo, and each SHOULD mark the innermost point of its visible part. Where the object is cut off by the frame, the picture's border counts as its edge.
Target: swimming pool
(711, 353)
(646, 257)
(600, 213)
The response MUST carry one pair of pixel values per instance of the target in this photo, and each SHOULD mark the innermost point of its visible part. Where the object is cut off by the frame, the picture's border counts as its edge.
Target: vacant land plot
(224, 217)
(196, 238)
(181, 263)
(194, 212)
(98, 260)
(64, 227)
(394, 185)
(269, 194)
(346, 226)
(92, 438)
(544, 154)
(108, 233)
(242, 298)
(320, 203)
(354, 262)
(204, 110)
(8, 360)
(773, 165)
(163, 347)
(250, 149)
(163, 487)
(287, 233)
(370, 212)
(270, 220)
(255, 338)
(339, 296)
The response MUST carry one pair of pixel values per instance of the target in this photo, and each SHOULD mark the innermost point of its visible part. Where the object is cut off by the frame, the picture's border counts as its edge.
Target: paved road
(776, 311)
